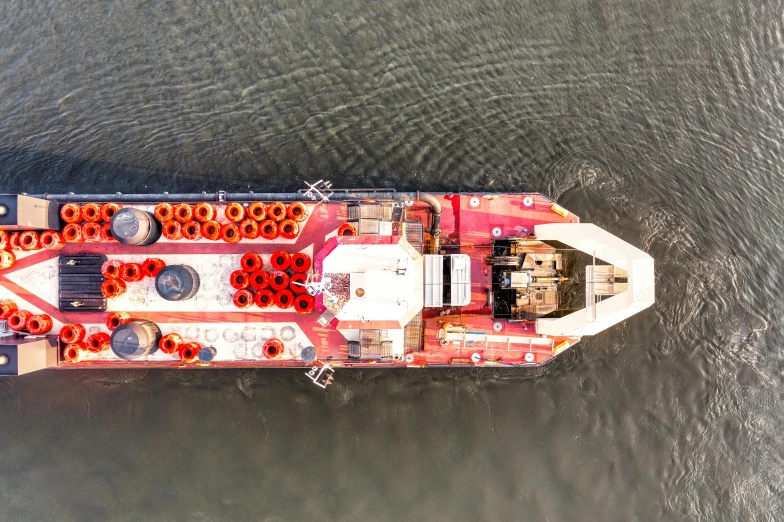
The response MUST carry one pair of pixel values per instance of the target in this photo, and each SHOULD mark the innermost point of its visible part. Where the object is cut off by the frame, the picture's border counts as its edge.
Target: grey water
(659, 121)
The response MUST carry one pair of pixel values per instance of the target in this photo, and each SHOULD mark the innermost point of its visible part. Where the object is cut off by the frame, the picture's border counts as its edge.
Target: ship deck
(210, 318)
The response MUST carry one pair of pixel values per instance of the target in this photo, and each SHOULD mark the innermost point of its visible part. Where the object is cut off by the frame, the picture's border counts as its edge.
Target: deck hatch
(79, 283)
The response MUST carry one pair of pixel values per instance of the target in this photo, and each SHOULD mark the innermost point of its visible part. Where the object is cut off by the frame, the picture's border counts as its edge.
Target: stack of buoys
(173, 343)
(78, 343)
(24, 320)
(27, 241)
(117, 274)
(282, 286)
(89, 222)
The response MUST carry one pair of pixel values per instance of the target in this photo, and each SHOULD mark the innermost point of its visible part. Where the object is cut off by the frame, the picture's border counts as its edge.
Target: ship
(320, 279)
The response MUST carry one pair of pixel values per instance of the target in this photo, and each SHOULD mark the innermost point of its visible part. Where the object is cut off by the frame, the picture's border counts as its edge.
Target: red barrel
(92, 231)
(108, 210)
(183, 212)
(7, 307)
(300, 262)
(298, 282)
(164, 212)
(71, 213)
(98, 342)
(264, 298)
(52, 240)
(172, 230)
(251, 262)
(279, 280)
(113, 288)
(13, 240)
(259, 280)
(72, 333)
(284, 299)
(4, 240)
(235, 212)
(38, 324)
(211, 230)
(170, 343)
(304, 303)
(243, 298)
(112, 268)
(297, 211)
(268, 229)
(106, 233)
(7, 259)
(74, 352)
(288, 228)
(115, 319)
(239, 279)
(347, 229)
(276, 211)
(280, 260)
(17, 321)
(204, 212)
(132, 272)
(249, 229)
(191, 230)
(230, 233)
(273, 349)
(73, 233)
(257, 211)
(152, 266)
(91, 212)
(29, 240)
(189, 352)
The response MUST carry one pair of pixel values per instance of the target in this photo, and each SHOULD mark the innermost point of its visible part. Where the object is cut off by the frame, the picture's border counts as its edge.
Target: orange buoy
(257, 211)
(7, 307)
(72, 333)
(170, 343)
(272, 349)
(280, 260)
(297, 283)
(268, 229)
(108, 210)
(249, 229)
(91, 212)
(38, 324)
(300, 262)
(152, 266)
(259, 280)
(189, 352)
(204, 212)
(18, 320)
(264, 298)
(234, 212)
(164, 212)
(288, 229)
(4, 240)
(7, 259)
(75, 352)
(347, 229)
(92, 231)
(115, 319)
(276, 211)
(191, 230)
(132, 272)
(113, 288)
(243, 298)
(239, 279)
(279, 280)
(106, 233)
(52, 240)
(211, 230)
(29, 240)
(73, 233)
(71, 213)
(172, 230)
(304, 303)
(230, 233)
(13, 240)
(284, 299)
(251, 262)
(297, 211)
(112, 269)
(98, 342)
(183, 212)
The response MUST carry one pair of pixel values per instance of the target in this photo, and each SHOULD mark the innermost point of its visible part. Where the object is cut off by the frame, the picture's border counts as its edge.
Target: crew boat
(320, 279)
